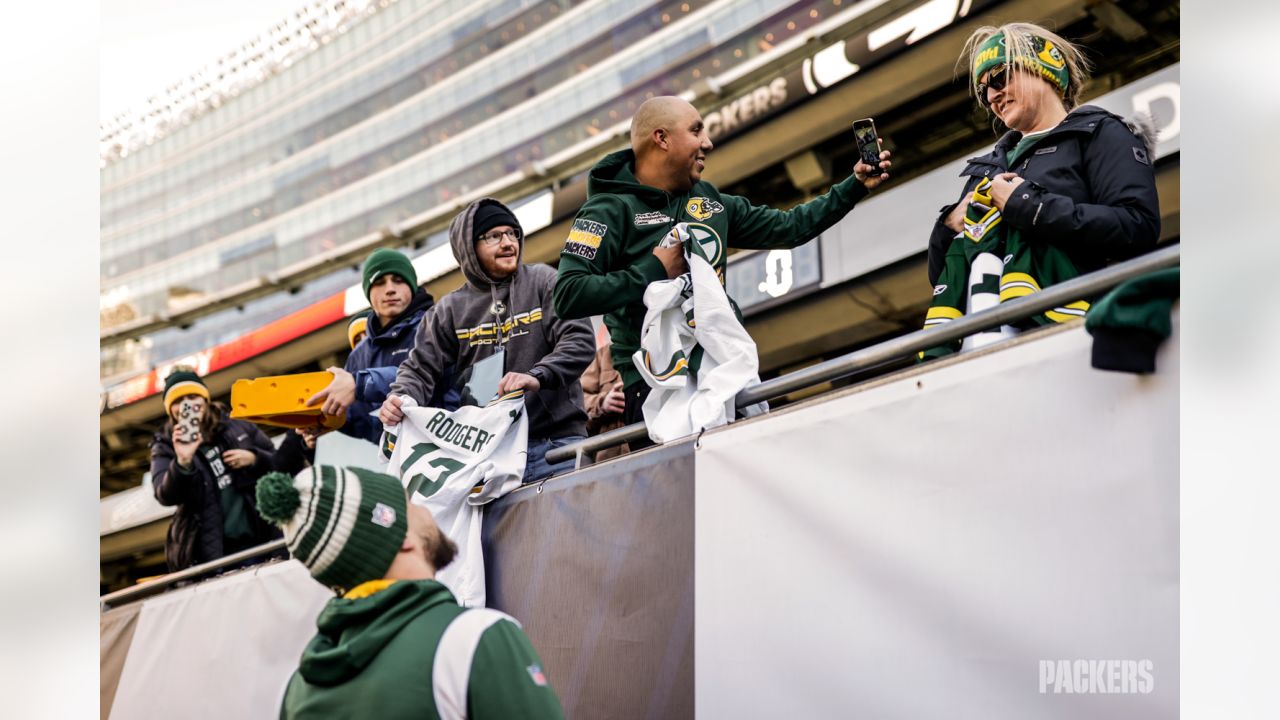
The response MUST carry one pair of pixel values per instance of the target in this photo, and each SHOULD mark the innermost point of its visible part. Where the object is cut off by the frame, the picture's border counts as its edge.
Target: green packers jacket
(406, 649)
(607, 261)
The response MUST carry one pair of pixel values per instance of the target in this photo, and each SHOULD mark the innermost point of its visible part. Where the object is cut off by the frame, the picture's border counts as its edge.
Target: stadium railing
(907, 345)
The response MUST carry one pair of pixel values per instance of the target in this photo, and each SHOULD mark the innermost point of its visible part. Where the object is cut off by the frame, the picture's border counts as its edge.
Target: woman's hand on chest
(1002, 187)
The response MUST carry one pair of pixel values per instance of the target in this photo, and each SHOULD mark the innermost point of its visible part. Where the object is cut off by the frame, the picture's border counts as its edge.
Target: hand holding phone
(869, 153)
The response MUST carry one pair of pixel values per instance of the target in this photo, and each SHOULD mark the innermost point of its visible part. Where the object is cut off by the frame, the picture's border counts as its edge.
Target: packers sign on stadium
(835, 62)
(747, 108)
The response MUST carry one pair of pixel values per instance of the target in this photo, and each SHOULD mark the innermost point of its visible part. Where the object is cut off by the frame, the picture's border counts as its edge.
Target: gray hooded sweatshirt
(515, 314)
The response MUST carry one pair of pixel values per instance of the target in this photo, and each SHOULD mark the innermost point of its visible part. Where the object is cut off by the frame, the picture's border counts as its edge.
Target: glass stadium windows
(116, 212)
(597, 49)
(564, 117)
(220, 327)
(333, 112)
(402, 16)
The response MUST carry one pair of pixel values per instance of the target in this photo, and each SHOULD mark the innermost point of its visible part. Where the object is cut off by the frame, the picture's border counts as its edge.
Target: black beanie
(489, 216)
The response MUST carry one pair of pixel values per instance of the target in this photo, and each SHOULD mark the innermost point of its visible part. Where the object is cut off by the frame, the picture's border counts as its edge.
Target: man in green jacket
(636, 196)
(394, 643)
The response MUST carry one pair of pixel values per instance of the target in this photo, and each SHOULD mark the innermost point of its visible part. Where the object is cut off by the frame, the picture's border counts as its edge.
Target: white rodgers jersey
(694, 353)
(452, 463)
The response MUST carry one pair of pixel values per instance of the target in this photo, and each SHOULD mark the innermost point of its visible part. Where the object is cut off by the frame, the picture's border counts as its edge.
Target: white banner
(220, 649)
(995, 538)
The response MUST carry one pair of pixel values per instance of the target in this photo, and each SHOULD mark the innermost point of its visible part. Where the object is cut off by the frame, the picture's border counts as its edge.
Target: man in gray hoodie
(504, 306)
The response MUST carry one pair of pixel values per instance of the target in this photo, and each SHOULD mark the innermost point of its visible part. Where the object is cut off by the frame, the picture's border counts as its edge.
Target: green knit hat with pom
(345, 524)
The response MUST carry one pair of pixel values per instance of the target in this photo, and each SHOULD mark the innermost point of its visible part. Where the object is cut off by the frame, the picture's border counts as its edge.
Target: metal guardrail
(906, 345)
(1070, 291)
(160, 584)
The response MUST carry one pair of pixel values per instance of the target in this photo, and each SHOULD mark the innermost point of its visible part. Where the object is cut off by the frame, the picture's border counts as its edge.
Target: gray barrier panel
(599, 569)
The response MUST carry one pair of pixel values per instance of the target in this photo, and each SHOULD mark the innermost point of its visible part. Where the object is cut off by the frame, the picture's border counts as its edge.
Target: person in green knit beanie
(385, 261)
(394, 643)
(396, 307)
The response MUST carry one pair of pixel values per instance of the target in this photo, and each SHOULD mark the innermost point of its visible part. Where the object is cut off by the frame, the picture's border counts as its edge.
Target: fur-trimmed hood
(1084, 119)
(1143, 126)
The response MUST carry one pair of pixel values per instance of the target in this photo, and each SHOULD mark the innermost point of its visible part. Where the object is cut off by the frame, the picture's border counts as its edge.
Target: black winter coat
(1090, 190)
(195, 534)
(293, 456)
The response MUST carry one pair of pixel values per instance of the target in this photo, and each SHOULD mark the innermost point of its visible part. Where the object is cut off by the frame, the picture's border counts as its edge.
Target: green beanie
(180, 383)
(344, 524)
(1048, 60)
(383, 261)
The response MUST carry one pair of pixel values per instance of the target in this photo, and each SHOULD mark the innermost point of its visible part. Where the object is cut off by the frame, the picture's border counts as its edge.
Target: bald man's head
(670, 143)
(659, 113)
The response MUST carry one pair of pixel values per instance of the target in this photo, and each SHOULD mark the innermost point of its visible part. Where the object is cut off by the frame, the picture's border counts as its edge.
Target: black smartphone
(864, 132)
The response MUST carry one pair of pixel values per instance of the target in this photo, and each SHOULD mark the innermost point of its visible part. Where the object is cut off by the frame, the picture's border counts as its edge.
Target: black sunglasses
(996, 80)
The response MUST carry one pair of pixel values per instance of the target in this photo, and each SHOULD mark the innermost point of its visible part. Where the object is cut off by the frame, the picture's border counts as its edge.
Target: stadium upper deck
(416, 114)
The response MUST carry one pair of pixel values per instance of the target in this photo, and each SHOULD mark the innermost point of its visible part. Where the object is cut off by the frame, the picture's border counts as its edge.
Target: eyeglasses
(996, 80)
(494, 237)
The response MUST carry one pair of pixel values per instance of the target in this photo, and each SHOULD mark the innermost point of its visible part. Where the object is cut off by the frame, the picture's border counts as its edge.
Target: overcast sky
(148, 45)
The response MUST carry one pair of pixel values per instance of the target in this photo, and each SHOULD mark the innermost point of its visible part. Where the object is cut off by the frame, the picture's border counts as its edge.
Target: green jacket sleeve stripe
(511, 682)
(451, 669)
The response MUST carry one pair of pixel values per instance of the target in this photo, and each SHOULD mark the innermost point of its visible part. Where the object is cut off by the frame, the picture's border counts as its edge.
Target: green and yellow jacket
(607, 261)
(406, 649)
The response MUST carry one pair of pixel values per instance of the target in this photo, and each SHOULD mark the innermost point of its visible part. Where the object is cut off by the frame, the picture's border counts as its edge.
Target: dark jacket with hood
(374, 361)
(608, 259)
(514, 314)
(1089, 189)
(195, 533)
(374, 657)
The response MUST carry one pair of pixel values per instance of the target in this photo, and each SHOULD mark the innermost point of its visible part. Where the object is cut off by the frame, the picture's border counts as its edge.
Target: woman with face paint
(1067, 189)
(208, 465)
